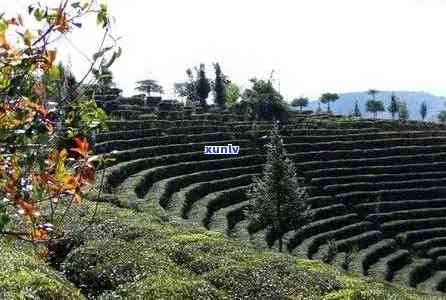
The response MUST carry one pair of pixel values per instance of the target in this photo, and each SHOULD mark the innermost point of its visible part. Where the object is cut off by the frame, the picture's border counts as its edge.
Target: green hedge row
(415, 236)
(127, 134)
(375, 186)
(397, 169)
(436, 251)
(362, 240)
(156, 174)
(389, 206)
(441, 283)
(221, 200)
(367, 162)
(197, 192)
(367, 153)
(430, 243)
(235, 215)
(130, 107)
(117, 174)
(326, 132)
(338, 125)
(219, 117)
(174, 184)
(376, 178)
(132, 101)
(146, 124)
(126, 114)
(392, 195)
(420, 271)
(407, 214)
(313, 190)
(386, 267)
(237, 123)
(109, 146)
(320, 201)
(321, 226)
(395, 227)
(440, 263)
(360, 137)
(350, 145)
(311, 245)
(375, 252)
(145, 152)
(147, 117)
(394, 262)
(169, 115)
(258, 127)
(328, 211)
(196, 129)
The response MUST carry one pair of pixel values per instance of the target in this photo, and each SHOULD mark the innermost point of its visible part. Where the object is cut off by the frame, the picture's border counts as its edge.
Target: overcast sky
(314, 46)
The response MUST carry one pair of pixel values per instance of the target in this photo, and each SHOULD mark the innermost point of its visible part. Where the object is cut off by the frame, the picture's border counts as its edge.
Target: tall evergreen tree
(357, 111)
(219, 87)
(403, 111)
(423, 110)
(277, 200)
(149, 86)
(203, 85)
(393, 106)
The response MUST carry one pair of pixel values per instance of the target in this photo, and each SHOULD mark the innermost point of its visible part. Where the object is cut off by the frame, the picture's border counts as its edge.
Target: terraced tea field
(375, 186)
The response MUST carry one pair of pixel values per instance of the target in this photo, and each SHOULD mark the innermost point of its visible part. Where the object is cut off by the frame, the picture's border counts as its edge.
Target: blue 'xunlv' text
(229, 149)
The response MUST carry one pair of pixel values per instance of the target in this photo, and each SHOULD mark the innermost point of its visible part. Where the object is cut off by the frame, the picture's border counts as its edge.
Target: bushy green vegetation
(132, 255)
(25, 276)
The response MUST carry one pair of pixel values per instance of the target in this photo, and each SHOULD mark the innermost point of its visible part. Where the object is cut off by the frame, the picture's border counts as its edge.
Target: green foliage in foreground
(24, 276)
(147, 254)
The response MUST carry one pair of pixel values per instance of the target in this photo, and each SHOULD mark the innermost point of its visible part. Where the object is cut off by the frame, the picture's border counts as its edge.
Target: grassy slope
(146, 254)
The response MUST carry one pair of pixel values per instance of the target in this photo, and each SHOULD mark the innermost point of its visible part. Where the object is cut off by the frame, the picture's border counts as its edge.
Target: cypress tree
(203, 85)
(393, 106)
(357, 111)
(423, 110)
(219, 87)
(277, 200)
(403, 111)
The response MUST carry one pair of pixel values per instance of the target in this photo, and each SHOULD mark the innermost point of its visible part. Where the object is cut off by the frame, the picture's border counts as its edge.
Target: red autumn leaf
(83, 147)
(27, 207)
(12, 21)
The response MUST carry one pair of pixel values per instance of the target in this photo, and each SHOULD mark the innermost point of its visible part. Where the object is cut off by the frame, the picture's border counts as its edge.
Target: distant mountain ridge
(346, 103)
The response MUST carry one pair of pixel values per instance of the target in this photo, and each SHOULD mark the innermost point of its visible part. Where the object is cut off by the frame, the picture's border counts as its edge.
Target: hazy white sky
(314, 46)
